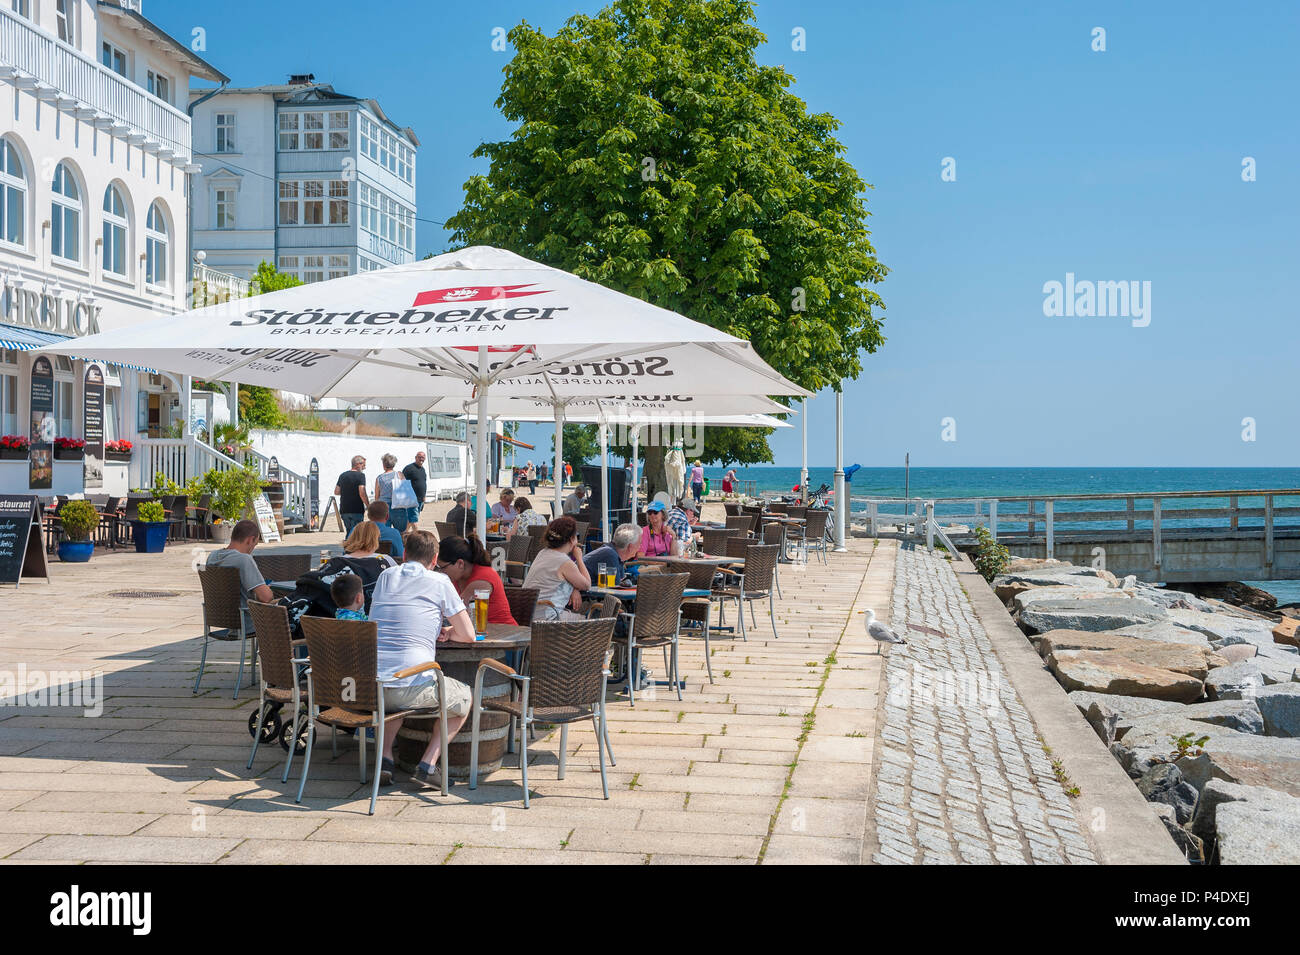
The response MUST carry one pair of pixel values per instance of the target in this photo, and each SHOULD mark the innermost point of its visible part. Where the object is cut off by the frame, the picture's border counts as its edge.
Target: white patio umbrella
(455, 324)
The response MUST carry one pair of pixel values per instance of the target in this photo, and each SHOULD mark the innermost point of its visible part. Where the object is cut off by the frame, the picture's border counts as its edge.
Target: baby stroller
(311, 597)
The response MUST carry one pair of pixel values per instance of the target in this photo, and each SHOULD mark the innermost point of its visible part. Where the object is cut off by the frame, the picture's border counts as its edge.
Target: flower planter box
(69, 454)
(76, 552)
(118, 457)
(221, 532)
(13, 454)
(150, 536)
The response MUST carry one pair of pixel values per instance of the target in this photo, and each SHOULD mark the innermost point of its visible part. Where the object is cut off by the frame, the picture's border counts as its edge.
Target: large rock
(1280, 707)
(1191, 847)
(1272, 814)
(1186, 658)
(1287, 631)
(1172, 599)
(1165, 632)
(1107, 672)
(1235, 681)
(1103, 613)
(1240, 715)
(1127, 707)
(1164, 783)
(1237, 593)
(1268, 761)
(1238, 652)
(1095, 590)
(1225, 628)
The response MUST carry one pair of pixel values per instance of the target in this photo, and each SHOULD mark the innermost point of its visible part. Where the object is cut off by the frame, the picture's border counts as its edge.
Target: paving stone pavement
(732, 773)
(961, 774)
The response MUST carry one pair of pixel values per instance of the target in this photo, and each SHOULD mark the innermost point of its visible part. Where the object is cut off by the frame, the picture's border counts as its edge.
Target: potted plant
(13, 447)
(233, 492)
(118, 450)
(150, 529)
(78, 518)
(69, 449)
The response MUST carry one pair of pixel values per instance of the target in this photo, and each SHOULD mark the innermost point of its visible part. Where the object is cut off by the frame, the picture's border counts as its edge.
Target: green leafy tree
(269, 279)
(653, 154)
(581, 445)
(260, 407)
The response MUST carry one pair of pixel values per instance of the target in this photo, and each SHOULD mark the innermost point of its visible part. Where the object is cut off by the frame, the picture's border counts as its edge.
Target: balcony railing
(54, 71)
(210, 287)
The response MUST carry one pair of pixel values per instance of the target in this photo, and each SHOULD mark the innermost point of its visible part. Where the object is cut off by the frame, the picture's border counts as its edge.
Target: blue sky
(1123, 165)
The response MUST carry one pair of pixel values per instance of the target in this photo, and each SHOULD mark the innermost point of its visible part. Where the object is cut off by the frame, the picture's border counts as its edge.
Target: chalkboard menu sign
(41, 453)
(93, 426)
(313, 495)
(21, 551)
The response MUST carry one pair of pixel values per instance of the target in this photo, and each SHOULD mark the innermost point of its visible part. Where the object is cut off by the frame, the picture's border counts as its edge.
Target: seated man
(681, 521)
(575, 501)
(415, 609)
(459, 516)
(378, 512)
(625, 542)
(239, 554)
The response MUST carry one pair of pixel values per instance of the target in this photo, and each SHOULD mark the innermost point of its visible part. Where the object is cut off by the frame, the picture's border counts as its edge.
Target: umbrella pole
(604, 484)
(480, 449)
(803, 471)
(636, 464)
(841, 506)
(558, 476)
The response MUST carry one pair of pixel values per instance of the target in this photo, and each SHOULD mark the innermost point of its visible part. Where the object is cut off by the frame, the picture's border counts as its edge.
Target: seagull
(880, 633)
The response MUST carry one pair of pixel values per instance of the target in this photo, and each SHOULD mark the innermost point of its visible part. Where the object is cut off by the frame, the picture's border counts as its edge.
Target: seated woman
(657, 538)
(527, 517)
(558, 573)
(470, 569)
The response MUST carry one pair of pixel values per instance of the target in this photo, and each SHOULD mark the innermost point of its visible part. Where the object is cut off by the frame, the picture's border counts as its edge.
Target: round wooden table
(460, 661)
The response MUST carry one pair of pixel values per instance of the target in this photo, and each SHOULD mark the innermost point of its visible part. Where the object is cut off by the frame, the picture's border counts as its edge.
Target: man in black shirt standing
(351, 489)
(419, 479)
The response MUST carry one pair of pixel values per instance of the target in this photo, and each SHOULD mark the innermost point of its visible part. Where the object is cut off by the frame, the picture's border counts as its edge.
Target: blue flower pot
(150, 536)
(76, 552)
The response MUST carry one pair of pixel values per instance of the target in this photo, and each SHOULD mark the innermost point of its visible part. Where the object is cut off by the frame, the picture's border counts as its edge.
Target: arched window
(115, 226)
(13, 195)
(155, 246)
(65, 216)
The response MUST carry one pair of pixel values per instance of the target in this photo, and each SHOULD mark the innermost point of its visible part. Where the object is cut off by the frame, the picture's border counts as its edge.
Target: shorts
(424, 694)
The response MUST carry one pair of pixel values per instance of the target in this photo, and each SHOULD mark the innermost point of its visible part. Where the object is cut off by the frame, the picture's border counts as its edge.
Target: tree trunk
(656, 478)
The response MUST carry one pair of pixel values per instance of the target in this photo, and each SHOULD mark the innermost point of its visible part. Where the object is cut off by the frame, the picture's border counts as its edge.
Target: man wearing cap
(680, 519)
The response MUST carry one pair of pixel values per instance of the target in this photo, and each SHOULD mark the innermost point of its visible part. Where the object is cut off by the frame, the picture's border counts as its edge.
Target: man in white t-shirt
(416, 609)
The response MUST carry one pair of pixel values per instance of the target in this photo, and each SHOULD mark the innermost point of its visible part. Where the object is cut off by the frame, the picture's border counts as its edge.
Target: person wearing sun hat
(657, 538)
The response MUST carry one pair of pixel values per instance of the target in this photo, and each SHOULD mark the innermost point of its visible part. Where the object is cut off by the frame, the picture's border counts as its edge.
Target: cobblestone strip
(962, 774)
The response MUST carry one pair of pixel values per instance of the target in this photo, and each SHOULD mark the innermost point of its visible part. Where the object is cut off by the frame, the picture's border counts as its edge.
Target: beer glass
(481, 613)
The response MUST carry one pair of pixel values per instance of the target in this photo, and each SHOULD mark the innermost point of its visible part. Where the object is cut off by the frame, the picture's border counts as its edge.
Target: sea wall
(1198, 701)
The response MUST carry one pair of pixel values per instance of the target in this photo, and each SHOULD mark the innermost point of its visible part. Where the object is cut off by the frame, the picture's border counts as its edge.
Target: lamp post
(841, 511)
(803, 471)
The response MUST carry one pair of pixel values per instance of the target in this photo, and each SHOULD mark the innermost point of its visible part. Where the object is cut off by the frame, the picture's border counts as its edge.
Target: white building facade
(318, 183)
(95, 153)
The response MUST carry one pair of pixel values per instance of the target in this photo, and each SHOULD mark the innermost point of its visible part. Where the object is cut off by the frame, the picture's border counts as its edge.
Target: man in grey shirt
(243, 538)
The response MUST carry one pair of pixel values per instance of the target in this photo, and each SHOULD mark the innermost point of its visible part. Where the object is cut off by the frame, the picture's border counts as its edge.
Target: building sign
(49, 313)
(313, 494)
(443, 461)
(44, 427)
(93, 426)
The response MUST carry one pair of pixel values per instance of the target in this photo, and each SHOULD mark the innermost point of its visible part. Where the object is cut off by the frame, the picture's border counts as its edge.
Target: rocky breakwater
(1198, 700)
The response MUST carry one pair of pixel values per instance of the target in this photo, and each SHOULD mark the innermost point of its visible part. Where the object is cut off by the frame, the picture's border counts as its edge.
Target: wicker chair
(345, 653)
(282, 681)
(777, 507)
(814, 532)
(523, 601)
(754, 582)
(517, 557)
(733, 508)
(223, 619)
(742, 524)
(714, 539)
(774, 533)
(446, 530)
(200, 516)
(283, 566)
(696, 611)
(537, 530)
(738, 546)
(797, 511)
(570, 666)
(655, 623)
(178, 517)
